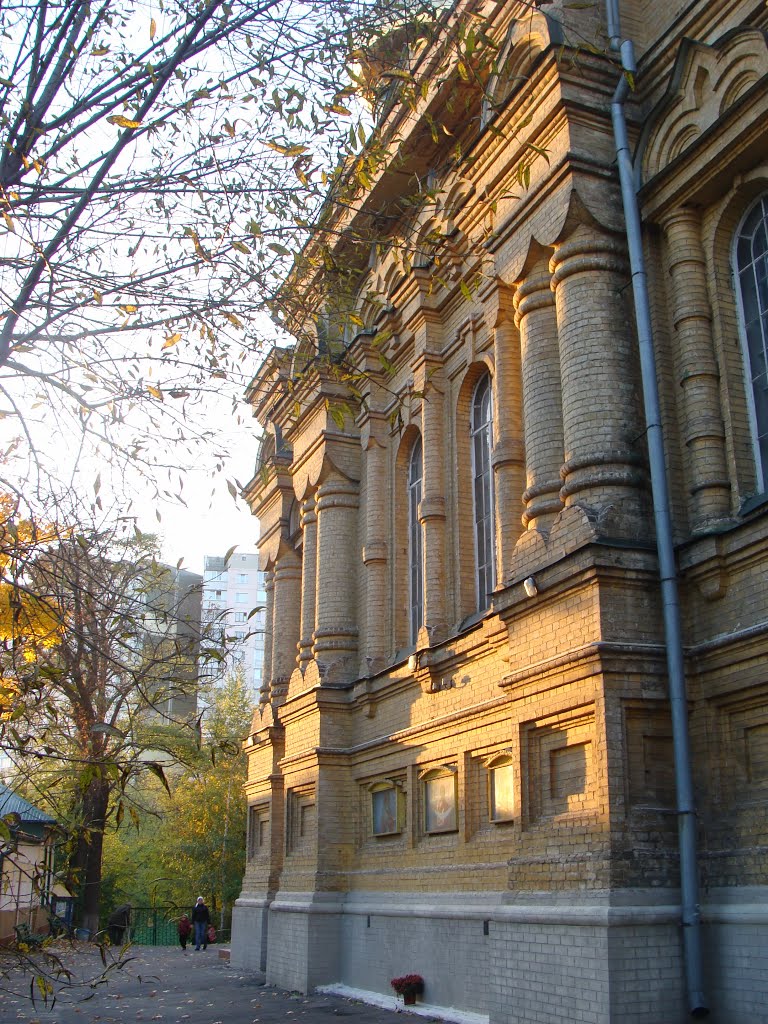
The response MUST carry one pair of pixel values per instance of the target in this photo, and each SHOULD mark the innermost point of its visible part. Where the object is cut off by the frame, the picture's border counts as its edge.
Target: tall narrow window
(482, 490)
(415, 543)
(751, 257)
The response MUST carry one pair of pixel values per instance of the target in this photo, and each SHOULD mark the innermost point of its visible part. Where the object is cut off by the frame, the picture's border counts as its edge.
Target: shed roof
(12, 803)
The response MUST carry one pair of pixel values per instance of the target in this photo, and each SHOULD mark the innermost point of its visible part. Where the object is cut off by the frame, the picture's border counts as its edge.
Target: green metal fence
(154, 926)
(158, 926)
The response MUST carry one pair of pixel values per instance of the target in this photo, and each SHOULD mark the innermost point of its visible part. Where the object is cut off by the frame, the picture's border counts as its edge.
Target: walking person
(201, 918)
(185, 927)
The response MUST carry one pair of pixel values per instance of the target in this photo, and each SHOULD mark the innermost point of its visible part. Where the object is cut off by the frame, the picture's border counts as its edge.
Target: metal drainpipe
(686, 815)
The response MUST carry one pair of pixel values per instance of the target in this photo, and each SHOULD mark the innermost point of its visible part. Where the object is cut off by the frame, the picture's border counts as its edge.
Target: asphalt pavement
(173, 987)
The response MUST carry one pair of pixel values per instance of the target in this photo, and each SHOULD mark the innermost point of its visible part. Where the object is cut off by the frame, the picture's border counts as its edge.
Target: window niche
(258, 830)
(387, 808)
(558, 758)
(502, 777)
(302, 820)
(440, 793)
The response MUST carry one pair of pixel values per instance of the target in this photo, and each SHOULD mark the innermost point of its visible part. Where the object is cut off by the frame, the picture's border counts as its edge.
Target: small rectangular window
(384, 811)
(440, 803)
(502, 792)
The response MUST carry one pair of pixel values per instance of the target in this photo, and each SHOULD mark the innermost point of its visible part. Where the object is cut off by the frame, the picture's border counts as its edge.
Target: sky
(212, 522)
(208, 520)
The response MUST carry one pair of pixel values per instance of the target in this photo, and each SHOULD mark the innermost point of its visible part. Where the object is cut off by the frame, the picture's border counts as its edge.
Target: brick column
(707, 480)
(269, 611)
(603, 420)
(335, 642)
(375, 552)
(432, 507)
(508, 456)
(308, 581)
(542, 397)
(285, 621)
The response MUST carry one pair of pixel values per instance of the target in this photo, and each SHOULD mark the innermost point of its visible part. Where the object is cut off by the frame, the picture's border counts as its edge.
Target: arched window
(482, 490)
(415, 542)
(751, 259)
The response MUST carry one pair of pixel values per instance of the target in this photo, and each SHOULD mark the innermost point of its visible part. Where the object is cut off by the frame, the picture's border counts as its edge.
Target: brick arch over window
(750, 270)
(402, 540)
(475, 512)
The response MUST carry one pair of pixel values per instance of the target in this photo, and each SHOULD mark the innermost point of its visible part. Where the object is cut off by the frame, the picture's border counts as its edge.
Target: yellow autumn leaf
(287, 150)
(152, 28)
(97, 297)
(128, 308)
(241, 247)
(233, 319)
(99, 51)
(155, 392)
(123, 122)
(174, 339)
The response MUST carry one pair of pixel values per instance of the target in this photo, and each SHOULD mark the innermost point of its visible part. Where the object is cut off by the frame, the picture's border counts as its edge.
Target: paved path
(172, 987)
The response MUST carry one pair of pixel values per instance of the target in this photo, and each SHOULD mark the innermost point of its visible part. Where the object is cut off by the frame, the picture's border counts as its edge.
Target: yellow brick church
(513, 501)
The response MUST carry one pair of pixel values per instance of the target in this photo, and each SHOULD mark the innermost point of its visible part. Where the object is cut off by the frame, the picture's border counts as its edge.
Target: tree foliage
(157, 165)
(113, 698)
(191, 840)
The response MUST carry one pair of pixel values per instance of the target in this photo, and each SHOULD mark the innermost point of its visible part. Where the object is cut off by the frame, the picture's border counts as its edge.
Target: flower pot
(409, 998)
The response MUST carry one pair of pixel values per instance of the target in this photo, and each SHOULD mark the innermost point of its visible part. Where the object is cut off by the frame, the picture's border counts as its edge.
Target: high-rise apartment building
(233, 601)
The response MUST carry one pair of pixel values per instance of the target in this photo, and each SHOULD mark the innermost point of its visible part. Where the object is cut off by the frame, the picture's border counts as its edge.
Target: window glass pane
(384, 811)
(415, 542)
(752, 267)
(482, 488)
(502, 792)
(759, 244)
(440, 804)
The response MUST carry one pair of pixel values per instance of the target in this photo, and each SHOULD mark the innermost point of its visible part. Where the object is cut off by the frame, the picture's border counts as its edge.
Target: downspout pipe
(686, 814)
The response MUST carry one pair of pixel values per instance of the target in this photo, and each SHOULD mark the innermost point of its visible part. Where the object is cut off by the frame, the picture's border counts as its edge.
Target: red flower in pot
(408, 986)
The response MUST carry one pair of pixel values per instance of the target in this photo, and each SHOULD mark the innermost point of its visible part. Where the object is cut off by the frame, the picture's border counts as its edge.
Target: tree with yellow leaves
(104, 685)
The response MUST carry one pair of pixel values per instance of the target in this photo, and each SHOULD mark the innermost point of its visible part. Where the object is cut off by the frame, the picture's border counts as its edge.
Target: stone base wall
(735, 939)
(602, 959)
(304, 941)
(250, 919)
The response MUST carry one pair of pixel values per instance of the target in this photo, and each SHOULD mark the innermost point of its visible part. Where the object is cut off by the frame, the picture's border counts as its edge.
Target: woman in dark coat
(201, 918)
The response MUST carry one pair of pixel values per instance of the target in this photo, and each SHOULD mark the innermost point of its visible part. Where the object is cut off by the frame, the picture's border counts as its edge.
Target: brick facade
(494, 806)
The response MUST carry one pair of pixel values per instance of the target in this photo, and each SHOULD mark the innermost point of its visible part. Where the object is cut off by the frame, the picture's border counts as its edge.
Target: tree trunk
(89, 849)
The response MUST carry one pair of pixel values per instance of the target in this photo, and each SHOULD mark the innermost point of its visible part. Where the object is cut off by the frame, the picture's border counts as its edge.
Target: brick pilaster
(335, 638)
(286, 621)
(707, 482)
(508, 456)
(542, 397)
(269, 612)
(308, 580)
(602, 418)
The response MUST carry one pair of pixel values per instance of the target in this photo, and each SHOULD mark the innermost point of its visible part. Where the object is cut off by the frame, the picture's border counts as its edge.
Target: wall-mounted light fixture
(529, 586)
